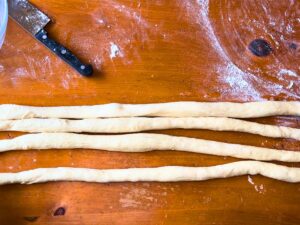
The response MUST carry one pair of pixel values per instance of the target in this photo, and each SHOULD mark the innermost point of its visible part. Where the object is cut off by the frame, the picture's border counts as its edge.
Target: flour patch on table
(291, 84)
(123, 27)
(239, 82)
(236, 82)
(129, 203)
(250, 180)
(137, 197)
(115, 51)
(290, 73)
(257, 187)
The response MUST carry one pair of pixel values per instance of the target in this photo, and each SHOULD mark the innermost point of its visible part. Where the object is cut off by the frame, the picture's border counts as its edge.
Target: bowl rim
(4, 20)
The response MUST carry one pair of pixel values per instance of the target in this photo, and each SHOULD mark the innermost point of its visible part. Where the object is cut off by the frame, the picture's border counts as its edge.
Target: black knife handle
(64, 53)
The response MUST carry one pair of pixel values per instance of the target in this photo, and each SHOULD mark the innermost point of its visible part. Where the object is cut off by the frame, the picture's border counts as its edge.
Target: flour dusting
(258, 188)
(137, 197)
(241, 79)
(288, 72)
(203, 19)
(122, 28)
(239, 82)
(250, 180)
(115, 51)
(129, 203)
(291, 84)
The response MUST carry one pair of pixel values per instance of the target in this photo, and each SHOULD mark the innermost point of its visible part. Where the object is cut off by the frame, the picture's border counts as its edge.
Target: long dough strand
(129, 125)
(172, 109)
(143, 143)
(160, 174)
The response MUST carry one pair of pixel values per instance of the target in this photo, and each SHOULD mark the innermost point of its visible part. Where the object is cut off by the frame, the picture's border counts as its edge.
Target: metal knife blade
(34, 21)
(27, 15)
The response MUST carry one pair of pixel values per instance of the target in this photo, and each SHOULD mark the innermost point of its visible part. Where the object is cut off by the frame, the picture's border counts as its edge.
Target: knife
(34, 21)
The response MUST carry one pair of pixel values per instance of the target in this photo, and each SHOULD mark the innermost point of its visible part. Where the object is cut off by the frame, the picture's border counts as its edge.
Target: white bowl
(3, 20)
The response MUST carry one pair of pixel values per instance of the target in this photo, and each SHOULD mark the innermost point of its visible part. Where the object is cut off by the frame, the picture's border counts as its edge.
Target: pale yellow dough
(172, 109)
(160, 174)
(143, 143)
(129, 125)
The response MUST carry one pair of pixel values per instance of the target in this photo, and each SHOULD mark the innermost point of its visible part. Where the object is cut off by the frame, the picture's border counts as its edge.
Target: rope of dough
(143, 143)
(129, 125)
(172, 109)
(159, 174)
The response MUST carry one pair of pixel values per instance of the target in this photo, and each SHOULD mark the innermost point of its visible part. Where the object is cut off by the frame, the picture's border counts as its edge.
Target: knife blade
(34, 21)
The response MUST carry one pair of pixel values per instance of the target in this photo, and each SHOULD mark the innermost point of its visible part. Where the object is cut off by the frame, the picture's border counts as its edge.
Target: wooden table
(154, 51)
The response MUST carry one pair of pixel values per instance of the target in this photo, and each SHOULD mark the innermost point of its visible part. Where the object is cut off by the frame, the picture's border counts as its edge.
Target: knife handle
(64, 53)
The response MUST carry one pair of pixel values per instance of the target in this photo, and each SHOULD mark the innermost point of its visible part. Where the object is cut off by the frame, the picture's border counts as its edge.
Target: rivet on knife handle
(64, 53)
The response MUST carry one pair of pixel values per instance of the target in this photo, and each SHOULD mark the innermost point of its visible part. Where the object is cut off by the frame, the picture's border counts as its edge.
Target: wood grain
(170, 50)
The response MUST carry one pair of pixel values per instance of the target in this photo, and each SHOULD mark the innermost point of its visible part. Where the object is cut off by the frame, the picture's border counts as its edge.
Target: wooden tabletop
(154, 51)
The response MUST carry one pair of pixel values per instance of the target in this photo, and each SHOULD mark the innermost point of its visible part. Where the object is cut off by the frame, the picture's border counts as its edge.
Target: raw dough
(143, 143)
(173, 109)
(128, 125)
(160, 174)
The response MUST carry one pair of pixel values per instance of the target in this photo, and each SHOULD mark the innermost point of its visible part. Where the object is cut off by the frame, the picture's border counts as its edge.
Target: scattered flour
(20, 72)
(206, 199)
(137, 197)
(115, 51)
(122, 27)
(100, 21)
(288, 72)
(239, 82)
(203, 19)
(291, 84)
(250, 180)
(258, 188)
(98, 62)
(129, 203)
